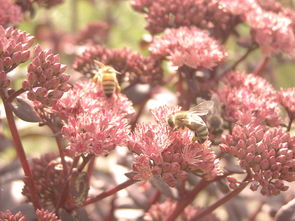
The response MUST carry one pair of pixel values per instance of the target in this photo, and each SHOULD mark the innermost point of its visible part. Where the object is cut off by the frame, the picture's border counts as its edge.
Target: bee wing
(194, 118)
(202, 108)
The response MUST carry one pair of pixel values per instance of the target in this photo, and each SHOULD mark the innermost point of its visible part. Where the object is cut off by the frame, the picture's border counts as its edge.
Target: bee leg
(118, 88)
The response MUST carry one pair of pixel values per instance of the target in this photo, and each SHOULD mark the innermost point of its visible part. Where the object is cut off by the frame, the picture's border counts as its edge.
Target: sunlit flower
(163, 14)
(14, 48)
(44, 215)
(266, 154)
(272, 31)
(160, 211)
(132, 66)
(93, 123)
(171, 154)
(8, 216)
(10, 13)
(243, 93)
(287, 100)
(46, 81)
(188, 46)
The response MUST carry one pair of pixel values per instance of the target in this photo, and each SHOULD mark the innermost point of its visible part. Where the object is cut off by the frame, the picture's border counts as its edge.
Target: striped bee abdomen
(201, 133)
(108, 84)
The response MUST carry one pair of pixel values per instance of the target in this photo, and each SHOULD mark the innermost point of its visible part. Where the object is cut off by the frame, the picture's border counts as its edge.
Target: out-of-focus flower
(171, 154)
(44, 215)
(266, 154)
(132, 66)
(10, 13)
(243, 93)
(205, 14)
(287, 100)
(49, 180)
(93, 123)
(25, 5)
(14, 48)
(48, 3)
(93, 33)
(160, 211)
(46, 81)
(188, 46)
(8, 216)
(272, 31)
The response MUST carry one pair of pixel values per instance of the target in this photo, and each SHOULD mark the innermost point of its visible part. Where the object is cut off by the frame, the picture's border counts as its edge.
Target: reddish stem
(258, 70)
(220, 202)
(290, 122)
(186, 200)
(256, 212)
(110, 192)
(14, 95)
(90, 167)
(20, 152)
(85, 161)
(155, 198)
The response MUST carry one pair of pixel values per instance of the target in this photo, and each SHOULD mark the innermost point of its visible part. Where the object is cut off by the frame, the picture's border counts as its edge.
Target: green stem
(20, 152)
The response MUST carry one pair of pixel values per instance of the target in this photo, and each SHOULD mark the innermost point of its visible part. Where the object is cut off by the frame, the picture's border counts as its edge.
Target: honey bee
(191, 119)
(107, 75)
(214, 120)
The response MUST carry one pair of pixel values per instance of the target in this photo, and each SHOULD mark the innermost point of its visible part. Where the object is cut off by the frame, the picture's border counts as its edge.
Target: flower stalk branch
(20, 152)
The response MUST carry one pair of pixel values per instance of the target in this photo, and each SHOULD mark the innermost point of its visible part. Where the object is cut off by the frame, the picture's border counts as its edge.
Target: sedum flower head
(45, 215)
(93, 123)
(266, 154)
(14, 48)
(163, 14)
(132, 66)
(46, 80)
(8, 216)
(243, 93)
(287, 100)
(168, 154)
(49, 179)
(272, 31)
(160, 211)
(188, 46)
(10, 13)
(93, 33)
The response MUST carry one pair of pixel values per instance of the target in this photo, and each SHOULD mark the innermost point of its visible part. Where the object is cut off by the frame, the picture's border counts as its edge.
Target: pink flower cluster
(287, 100)
(93, 33)
(162, 14)
(159, 211)
(169, 154)
(42, 215)
(10, 13)
(249, 93)
(268, 155)
(272, 31)
(14, 48)
(10, 217)
(132, 66)
(46, 81)
(93, 123)
(188, 46)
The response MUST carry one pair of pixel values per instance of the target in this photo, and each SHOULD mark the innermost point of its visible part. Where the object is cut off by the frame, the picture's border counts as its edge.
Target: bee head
(170, 122)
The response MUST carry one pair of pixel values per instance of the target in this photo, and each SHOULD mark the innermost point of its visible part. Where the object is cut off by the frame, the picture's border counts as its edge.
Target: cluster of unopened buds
(221, 124)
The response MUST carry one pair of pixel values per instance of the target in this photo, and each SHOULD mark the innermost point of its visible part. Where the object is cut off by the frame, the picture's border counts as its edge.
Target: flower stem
(110, 192)
(290, 123)
(190, 196)
(155, 198)
(20, 152)
(220, 202)
(14, 95)
(258, 70)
